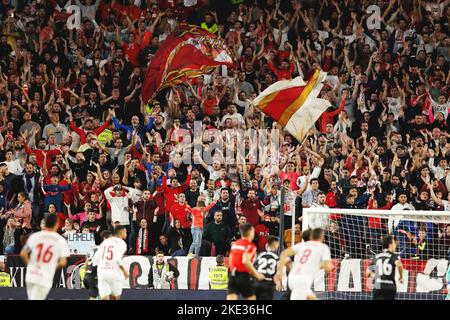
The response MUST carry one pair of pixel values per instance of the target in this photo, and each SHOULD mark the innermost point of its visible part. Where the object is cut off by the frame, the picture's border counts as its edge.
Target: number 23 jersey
(308, 259)
(45, 250)
(266, 263)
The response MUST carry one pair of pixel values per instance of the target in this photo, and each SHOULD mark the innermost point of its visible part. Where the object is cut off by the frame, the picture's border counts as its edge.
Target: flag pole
(281, 231)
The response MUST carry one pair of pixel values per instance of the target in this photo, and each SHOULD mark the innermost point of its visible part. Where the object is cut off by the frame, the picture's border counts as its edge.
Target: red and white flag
(293, 104)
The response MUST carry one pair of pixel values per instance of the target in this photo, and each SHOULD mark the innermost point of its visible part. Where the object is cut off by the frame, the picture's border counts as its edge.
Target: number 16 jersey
(385, 266)
(308, 260)
(45, 249)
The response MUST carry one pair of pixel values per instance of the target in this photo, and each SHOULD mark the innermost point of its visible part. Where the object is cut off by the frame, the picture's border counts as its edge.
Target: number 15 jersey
(108, 257)
(45, 248)
(308, 260)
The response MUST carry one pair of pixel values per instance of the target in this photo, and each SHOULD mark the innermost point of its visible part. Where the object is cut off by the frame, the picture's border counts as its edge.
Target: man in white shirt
(401, 205)
(118, 197)
(310, 257)
(319, 220)
(44, 252)
(110, 266)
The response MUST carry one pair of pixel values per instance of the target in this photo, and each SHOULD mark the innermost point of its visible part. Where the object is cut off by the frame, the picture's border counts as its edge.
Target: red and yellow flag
(293, 104)
(188, 52)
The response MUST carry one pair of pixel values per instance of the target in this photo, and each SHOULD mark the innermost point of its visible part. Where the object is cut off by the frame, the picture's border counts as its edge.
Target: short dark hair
(105, 234)
(220, 259)
(306, 235)
(245, 228)
(51, 220)
(117, 229)
(386, 241)
(316, 234)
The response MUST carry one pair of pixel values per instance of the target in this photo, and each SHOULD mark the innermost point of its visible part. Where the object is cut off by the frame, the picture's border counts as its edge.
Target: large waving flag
(188, 52)
(294, 103)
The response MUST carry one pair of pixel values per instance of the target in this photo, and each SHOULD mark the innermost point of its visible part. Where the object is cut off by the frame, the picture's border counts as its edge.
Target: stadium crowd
(78, 141)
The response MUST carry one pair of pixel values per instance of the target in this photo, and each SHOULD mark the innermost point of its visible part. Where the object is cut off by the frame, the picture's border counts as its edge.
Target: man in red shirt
(251, 207)
(328, 116)
(242, 256)
(286, 71)
(291, 174)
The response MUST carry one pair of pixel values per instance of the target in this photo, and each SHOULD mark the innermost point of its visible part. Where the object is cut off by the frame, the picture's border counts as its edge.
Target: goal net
(423, 241)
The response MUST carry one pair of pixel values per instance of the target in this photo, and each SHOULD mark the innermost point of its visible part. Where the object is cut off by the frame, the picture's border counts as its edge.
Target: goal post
(354, 237)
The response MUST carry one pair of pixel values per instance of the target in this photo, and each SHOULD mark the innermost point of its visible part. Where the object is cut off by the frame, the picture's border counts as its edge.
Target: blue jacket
(54, 194)
(141, 130)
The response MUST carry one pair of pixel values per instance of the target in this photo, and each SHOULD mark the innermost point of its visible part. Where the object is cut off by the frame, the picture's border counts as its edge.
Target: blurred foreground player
(287, 294)
(90, 279)
(385, 264)
(110, 267)
(242, 256)
(44, 252)
(266, 263)
(310, 257)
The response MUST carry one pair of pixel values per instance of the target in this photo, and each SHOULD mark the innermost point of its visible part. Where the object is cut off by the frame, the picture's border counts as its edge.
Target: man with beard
(39, 152)
(159, 127)
(217, 233)
(135, 126)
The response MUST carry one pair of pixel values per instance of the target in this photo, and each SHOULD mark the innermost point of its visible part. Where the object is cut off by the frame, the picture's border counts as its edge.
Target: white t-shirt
(308, 260)
(14, 166)
(394, 106)
(119, 207)
(46, 248)
(108, 257)
(446, 205)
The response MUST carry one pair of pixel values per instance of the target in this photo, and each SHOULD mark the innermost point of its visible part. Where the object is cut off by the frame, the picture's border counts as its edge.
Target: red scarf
(142, 242)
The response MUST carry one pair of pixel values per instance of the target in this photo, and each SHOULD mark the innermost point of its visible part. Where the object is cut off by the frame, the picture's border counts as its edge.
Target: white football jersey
(108, 257)
(308, 259)
(46, 248)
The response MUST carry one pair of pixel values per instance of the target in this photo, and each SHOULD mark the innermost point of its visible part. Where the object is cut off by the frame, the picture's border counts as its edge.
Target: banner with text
(80, 243)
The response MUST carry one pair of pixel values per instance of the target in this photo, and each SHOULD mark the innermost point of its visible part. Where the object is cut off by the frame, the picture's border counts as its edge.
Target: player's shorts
(90, 283)
(241, 283)
(384, 294)
(109, 285)
(264, 290)
(300, 289)
(36, 291)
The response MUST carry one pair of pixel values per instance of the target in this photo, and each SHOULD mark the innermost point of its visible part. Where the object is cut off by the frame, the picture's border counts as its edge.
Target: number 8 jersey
(46, 248)
(308, 260)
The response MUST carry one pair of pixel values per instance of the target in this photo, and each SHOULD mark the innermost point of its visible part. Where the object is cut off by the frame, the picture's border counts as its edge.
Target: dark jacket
(228, 210)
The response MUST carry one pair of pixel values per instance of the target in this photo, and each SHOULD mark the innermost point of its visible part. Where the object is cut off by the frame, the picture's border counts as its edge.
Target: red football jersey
(237, 250)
